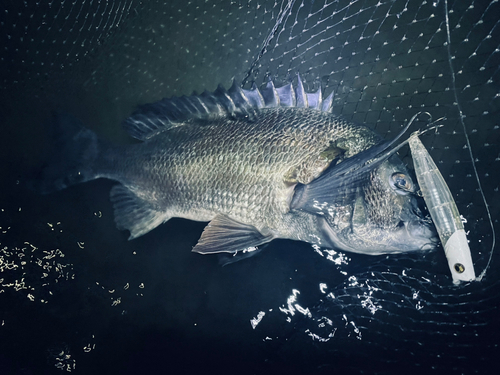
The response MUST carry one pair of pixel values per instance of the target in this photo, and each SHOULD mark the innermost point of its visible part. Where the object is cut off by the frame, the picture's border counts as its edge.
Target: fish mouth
(416, 235)
(423, 231)
(419, 227)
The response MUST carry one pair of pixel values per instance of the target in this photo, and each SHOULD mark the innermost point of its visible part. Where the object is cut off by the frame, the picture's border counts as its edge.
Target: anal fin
(225, 235)
(134, 213)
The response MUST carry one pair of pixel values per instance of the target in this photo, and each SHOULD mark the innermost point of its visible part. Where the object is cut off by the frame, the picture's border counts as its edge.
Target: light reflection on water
(326, 327)
(32, 270)
(44, 271)
(336, 257)
(402, 298)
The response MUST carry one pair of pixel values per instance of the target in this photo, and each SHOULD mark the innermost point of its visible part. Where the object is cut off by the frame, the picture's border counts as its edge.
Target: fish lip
(432, 243)
(331, 238)
(424, 230)
(428, 247)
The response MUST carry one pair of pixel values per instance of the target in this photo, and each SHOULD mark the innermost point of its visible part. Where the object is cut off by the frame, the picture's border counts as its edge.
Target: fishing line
(430, 126)
(284, 13)
(448, 48)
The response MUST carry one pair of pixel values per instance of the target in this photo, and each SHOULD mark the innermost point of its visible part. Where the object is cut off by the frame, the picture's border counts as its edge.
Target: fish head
(383, 214)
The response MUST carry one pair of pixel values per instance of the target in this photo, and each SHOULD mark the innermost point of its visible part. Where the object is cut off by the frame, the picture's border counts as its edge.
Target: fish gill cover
(291, 308)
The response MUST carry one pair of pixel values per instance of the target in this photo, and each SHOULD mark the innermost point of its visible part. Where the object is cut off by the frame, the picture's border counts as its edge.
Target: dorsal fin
(254, 97)
(326, 105)
(151, 119)
(300, 94)
(270, 95)
(315, 99)
(287, 96)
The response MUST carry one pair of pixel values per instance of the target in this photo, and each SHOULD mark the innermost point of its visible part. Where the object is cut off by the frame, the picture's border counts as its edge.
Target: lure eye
(402, 183)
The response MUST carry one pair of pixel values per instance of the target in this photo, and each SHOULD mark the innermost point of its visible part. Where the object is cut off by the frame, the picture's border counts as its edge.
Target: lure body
(444, 212)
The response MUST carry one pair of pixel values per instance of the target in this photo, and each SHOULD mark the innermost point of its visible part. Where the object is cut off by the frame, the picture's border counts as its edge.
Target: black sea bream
(257, 165)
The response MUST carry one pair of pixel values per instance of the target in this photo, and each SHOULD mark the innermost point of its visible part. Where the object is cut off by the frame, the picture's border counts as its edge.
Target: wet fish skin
(240, 169)
(243, 169)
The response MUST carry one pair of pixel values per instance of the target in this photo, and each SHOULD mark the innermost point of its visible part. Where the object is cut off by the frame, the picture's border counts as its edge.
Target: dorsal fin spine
(271, 97)
(287, 96)
(300, 94)
(151, 119)
(326, 105)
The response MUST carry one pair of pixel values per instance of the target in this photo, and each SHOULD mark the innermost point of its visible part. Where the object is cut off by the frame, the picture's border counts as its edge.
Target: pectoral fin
(225, 235)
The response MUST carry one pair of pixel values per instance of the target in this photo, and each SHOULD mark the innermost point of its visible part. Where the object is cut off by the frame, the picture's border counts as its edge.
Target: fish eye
(401, 183)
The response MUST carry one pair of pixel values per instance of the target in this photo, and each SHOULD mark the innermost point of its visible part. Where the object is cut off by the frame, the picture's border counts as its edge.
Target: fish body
(257, 165)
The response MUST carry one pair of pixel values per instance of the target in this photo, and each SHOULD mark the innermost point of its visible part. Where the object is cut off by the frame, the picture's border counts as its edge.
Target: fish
(257, 165)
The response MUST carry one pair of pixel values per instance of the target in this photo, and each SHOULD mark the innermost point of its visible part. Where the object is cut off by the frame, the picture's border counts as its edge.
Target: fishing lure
(444, 212)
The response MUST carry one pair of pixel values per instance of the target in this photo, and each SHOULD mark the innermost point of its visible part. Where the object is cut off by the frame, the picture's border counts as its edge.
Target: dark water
(76, 296)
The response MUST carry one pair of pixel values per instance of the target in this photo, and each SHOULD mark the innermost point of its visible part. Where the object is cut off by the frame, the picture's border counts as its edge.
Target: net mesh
(384, 60)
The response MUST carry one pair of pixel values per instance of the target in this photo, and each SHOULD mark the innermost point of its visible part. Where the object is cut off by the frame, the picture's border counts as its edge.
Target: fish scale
(235, 145)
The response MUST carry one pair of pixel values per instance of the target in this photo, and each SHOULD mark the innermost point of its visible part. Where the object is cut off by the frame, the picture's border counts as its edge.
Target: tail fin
(75, 151)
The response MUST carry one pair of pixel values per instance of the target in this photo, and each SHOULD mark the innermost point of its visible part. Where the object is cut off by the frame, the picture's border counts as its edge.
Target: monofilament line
(448, 48)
